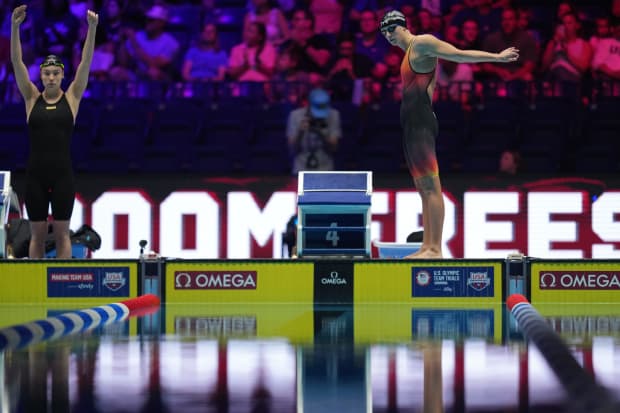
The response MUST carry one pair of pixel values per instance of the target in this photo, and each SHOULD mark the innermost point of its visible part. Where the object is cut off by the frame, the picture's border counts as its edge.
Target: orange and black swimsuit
(418, 120)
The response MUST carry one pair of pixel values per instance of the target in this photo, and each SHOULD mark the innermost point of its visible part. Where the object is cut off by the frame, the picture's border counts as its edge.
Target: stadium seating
(14, 142)
(228, 128)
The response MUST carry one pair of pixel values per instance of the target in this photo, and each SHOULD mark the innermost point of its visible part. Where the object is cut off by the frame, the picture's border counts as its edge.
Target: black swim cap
(391, 18)
(52, 60)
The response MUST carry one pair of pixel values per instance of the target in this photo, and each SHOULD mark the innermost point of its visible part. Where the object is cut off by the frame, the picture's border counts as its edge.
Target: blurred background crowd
(234, 56)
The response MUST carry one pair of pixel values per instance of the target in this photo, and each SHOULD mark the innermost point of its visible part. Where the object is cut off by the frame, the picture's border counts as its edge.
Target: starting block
(333, 211)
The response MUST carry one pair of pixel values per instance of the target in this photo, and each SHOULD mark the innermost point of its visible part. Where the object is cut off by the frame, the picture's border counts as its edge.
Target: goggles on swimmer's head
(52, 60)
(391, 20)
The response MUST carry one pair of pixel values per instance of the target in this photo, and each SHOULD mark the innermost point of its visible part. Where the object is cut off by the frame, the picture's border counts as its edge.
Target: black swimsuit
(49, 176)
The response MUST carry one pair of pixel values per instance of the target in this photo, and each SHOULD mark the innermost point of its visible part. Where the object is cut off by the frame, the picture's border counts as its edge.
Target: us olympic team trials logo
(114, 281)
(478, 280)
(422, 278)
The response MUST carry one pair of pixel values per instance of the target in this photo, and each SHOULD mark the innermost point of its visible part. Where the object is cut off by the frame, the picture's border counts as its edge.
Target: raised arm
(25, 86)
(78, 86)
(429, 45)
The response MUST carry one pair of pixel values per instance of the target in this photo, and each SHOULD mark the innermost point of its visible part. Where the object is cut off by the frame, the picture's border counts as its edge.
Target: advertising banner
(580, 281)
(197, 217)
(333, 282)
(458, 281)
(87, 281)
(83, 282)
(452, 281)
(239, 281)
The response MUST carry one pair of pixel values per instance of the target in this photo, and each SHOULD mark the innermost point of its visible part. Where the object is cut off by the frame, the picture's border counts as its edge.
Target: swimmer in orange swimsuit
(418, 119)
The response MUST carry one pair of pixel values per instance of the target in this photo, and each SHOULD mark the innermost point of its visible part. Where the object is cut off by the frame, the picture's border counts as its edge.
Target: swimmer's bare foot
(425, 254)
(416, 254)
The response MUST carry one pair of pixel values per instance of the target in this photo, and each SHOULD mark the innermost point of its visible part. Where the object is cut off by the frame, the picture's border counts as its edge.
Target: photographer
(313, 132)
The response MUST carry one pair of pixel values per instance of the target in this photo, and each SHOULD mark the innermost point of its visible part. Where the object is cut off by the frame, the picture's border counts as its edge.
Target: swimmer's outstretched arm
(431, 46)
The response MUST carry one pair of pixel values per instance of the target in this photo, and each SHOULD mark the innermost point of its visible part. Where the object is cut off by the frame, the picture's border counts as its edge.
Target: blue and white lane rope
(585, 393)
(22, 335)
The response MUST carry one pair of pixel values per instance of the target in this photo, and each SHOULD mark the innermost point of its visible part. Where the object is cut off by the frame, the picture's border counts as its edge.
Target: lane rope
(585, 393)
(72, 322)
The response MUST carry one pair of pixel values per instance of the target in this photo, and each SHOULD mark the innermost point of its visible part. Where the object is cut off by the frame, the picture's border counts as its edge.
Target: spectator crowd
(280, 51)
(332, 44)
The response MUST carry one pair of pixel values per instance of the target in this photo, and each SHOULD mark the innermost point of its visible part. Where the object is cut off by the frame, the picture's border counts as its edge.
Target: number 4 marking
(332, 235)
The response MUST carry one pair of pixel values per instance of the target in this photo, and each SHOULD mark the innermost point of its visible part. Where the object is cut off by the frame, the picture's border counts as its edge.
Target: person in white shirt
(606, 56)
(602, 30)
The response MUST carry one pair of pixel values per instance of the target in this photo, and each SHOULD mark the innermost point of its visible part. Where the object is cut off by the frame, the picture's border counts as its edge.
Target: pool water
(205, 358)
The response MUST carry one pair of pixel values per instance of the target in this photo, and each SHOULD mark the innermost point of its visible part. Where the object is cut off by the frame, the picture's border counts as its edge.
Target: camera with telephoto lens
(315, 123)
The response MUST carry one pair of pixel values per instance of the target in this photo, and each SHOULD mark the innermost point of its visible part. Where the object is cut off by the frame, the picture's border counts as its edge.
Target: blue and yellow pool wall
(80, 282)
(428, 300)
(397, 298)
(379, 300)
(339, 281)
(238, 281)
(37, 289)
(460, 282)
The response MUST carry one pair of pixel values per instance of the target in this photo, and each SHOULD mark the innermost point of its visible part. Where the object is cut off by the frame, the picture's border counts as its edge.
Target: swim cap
(52, 60)
(391, 18)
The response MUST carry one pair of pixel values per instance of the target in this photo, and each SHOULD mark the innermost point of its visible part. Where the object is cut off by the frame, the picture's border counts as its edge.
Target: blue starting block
(333, 210)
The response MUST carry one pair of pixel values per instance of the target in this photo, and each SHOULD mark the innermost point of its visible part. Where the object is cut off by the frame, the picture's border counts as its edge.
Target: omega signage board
(239, 281)
(576, 281)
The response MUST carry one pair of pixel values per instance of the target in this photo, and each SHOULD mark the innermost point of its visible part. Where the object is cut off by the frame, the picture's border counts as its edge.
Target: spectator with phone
(567, 56)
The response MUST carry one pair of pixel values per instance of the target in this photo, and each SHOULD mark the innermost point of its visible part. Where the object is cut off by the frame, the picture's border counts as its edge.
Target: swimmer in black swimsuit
(51, 116)
(418, 119)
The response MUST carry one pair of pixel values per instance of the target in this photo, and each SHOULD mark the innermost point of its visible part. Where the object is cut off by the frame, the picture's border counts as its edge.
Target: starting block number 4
(334, 213)
(332, 235)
